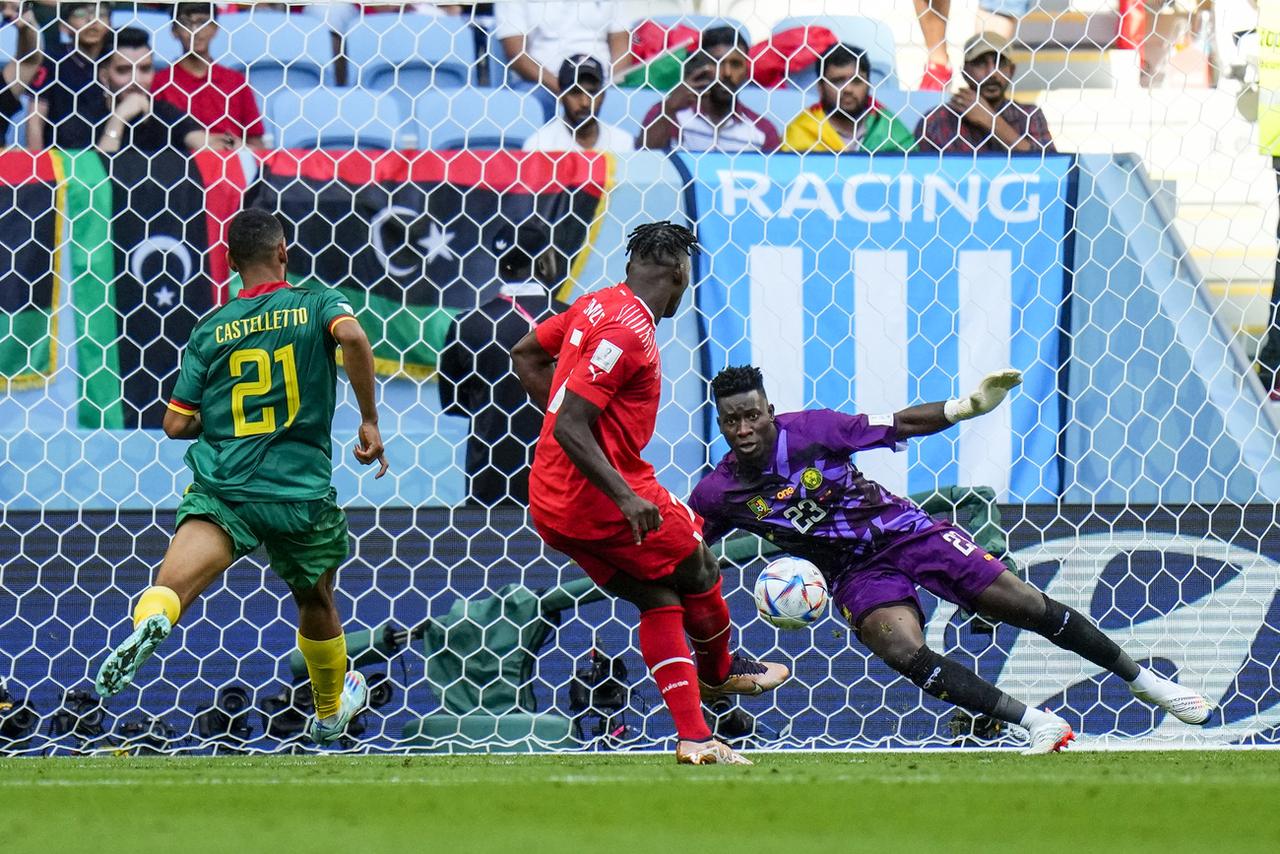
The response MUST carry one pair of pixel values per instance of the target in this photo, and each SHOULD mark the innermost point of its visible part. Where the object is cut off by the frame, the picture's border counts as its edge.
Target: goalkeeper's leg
(893, 632)
(199, 553)
(1011, 600)
(339, 695)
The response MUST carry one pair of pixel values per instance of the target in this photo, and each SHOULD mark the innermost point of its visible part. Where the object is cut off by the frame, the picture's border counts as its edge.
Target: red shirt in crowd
(221, 101)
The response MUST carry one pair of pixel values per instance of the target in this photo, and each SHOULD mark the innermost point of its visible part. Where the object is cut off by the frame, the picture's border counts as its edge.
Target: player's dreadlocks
(661, 242)
(738, 379)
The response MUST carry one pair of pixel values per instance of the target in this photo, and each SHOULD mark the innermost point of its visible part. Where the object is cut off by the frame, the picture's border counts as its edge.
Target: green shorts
(304, 539)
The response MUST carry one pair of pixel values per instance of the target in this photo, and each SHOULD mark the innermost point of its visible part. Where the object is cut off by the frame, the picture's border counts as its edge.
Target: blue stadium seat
(910, 107)
(475, 118)
(698, 22)
(779, 106)
(874, 37)
(159, 25)
(626, 108)
(275, 49)
(410, 53)
(338, 118)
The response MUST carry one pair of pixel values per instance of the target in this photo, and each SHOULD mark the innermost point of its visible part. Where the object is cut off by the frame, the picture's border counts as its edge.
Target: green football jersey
(260, 371)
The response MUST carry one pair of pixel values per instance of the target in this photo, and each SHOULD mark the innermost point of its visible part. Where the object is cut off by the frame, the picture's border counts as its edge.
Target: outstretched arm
(574, 421)
(535, 368)
(357, 359)
(929, 418)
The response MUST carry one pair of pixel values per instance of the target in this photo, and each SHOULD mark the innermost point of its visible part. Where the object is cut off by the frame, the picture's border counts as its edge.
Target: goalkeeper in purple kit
(790, 479)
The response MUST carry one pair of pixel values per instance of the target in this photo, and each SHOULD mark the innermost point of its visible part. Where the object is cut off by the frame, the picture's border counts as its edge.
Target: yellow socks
(157, 600)
(327, 665)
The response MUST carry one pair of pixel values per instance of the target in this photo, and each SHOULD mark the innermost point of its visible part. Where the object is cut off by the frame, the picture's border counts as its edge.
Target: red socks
(706, 619)
(666, 654)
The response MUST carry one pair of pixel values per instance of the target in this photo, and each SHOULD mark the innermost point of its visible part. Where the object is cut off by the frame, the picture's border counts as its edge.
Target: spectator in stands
(217, 97)
(18, 73)
(577, 128)
(134, 118)
(68, 102)
(994, 16)
(703, 113)
(846, 117)
(981, 118)
(475, 377)
(539, 36)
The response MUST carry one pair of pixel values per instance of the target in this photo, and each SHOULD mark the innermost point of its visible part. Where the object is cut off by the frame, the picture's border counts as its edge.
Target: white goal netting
(1112, 233)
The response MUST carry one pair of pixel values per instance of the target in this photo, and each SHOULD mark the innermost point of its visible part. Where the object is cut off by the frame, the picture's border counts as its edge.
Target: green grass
(912, 803)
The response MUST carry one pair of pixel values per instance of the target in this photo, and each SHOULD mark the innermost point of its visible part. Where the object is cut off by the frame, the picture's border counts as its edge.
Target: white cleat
(1181, 702)
(355, 694)
(1050, 735)
(709, 753)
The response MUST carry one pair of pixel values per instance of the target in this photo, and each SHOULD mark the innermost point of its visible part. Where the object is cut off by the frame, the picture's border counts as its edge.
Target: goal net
(1110, 233)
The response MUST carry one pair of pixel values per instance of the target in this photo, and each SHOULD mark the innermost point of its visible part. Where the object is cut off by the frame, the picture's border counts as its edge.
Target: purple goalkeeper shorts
(942, 560)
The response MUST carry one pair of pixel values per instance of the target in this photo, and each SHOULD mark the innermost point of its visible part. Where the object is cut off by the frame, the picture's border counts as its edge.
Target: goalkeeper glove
(993, 389)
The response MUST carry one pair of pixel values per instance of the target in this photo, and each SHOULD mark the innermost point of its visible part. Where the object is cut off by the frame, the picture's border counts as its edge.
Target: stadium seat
(698, 22)
(159, 25)
(338, 118)
(475, 118)
(410, 53)
(275, 49)
(874, 37)
(910, 107)
(779, 106)
(626, 108)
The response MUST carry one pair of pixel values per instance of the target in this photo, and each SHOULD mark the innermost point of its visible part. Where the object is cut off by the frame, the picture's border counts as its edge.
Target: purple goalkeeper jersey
(811, 500)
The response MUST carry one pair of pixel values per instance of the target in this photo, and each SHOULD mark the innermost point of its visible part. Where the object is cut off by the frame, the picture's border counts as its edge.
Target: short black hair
(737, 379)
(253, 236)
(182, 10)
(129, 37)
(841, 54)
(723, 37)
(661, 243)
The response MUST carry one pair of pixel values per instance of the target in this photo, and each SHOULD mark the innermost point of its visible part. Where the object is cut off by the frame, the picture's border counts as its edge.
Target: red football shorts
(657, 557)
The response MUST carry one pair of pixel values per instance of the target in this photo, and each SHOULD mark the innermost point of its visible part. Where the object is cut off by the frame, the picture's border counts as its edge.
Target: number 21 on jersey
(257, 363)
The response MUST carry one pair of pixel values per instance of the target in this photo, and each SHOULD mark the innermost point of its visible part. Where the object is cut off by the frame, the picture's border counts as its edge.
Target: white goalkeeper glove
(993, 389)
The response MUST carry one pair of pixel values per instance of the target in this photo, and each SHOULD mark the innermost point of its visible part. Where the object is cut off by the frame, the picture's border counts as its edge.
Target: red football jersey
(606, 353)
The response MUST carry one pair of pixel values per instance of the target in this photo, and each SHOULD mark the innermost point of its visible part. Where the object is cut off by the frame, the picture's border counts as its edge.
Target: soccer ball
(791, 593)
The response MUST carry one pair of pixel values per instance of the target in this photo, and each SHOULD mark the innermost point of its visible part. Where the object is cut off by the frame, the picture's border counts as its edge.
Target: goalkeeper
(256, 390)
(789, 478)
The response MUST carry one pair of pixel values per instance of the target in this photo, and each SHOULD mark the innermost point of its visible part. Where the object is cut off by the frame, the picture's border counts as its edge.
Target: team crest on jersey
(811, 478)
(758, 506)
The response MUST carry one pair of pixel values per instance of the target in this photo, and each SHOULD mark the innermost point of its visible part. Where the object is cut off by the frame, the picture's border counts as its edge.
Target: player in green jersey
(256, 391)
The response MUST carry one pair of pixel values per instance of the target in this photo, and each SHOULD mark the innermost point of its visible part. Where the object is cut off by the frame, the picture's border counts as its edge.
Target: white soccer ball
(791, 593)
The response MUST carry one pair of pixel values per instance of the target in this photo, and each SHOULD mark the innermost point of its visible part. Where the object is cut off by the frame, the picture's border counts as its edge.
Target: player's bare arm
(179, 425)
(929, 418)
(357, 359)
(535, 367)
(573, 432)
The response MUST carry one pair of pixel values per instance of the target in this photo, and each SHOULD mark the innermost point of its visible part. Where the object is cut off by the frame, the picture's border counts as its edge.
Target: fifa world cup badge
(811, 478)
(758, 506)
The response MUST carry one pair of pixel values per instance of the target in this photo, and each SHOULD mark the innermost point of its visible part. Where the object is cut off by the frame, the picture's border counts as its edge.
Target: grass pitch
(900, 802)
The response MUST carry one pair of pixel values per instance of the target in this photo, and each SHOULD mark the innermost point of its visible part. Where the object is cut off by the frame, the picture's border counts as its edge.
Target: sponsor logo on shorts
(758, 506)
(811, 478)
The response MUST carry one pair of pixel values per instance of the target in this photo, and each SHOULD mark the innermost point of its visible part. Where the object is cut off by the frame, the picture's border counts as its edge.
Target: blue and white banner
(873, 283)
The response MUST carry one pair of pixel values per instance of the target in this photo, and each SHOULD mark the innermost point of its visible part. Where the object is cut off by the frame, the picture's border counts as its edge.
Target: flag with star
(30, 233)
(414, 237)
(139, 278)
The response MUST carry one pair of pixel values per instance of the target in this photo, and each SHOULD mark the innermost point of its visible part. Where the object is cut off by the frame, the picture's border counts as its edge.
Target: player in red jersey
(595, 371)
